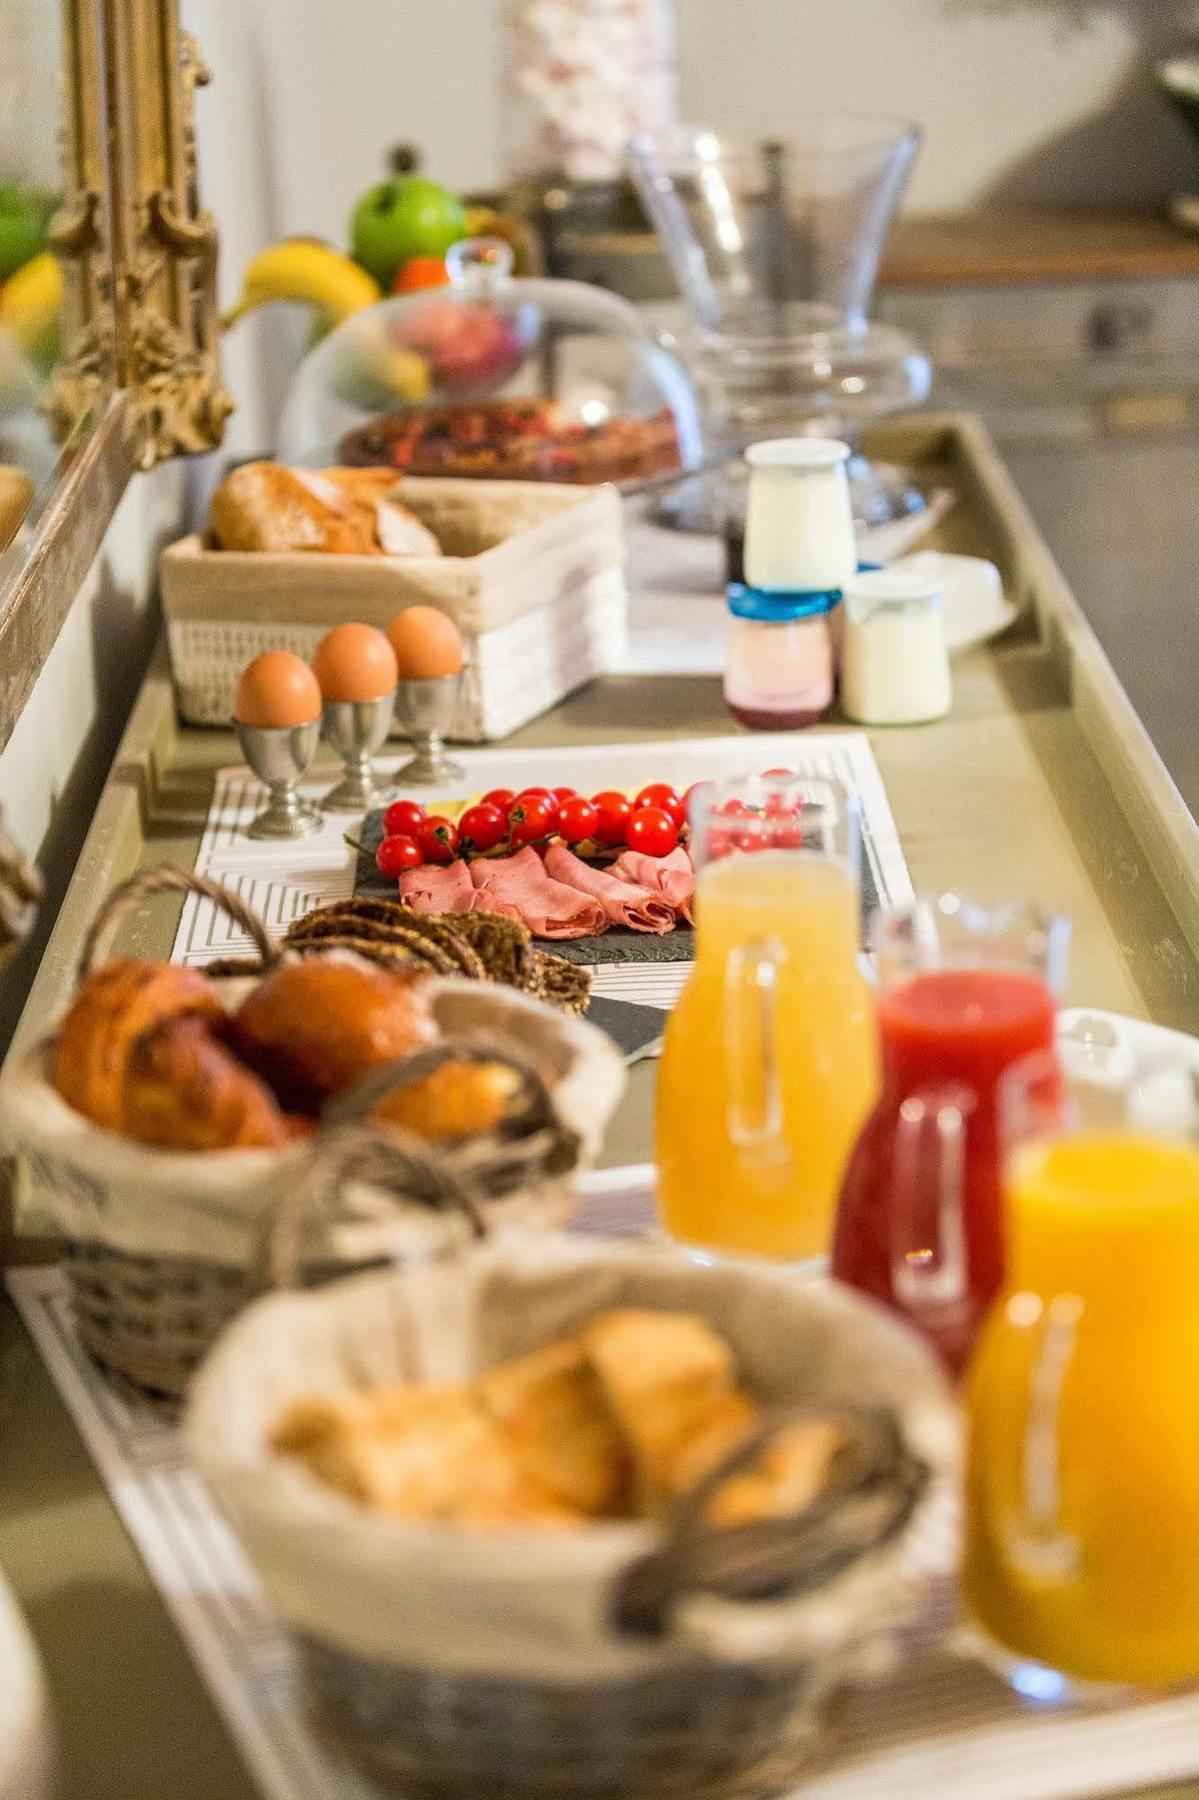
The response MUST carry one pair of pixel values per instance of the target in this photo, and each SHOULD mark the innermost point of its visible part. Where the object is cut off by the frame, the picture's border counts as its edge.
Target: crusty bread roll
(313, 1028)
(263, 506)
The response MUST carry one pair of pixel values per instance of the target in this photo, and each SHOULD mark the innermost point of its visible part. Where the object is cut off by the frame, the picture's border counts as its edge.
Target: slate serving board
(615, 946)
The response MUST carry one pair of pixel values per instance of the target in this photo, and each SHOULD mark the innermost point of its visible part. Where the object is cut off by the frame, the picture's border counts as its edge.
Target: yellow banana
(308, 271)
(30, 302)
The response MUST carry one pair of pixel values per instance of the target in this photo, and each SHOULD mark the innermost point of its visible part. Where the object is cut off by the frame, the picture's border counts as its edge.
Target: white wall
(1042, 99)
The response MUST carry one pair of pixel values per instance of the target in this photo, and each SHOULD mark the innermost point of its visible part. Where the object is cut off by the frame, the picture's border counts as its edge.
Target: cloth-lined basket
(162, 1248)
(617, 1661)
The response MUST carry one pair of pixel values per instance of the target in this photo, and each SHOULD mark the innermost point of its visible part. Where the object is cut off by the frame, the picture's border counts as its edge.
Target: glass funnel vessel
(775, 248)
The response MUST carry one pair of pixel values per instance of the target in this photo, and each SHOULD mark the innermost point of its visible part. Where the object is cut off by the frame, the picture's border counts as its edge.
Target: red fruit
(397, 853)
(652, 831)
(535, 793)
(501, 797)
(561, 794)
(405, 817)
(530, 820)
(577, 819)
(614, 812)
(779, 774)
(421, 272)
(482, 827)
(666, 799)
(438, 839)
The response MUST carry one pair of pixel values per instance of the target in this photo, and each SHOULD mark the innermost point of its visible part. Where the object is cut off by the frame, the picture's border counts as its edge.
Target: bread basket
(619, 1661)
(162, 1247)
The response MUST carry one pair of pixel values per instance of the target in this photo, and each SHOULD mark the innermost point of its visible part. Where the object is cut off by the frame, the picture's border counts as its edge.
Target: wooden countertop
(1035, 244)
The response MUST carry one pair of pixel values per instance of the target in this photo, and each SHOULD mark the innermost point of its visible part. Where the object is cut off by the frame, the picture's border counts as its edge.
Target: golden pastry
(113, 1011)
(313, 1028)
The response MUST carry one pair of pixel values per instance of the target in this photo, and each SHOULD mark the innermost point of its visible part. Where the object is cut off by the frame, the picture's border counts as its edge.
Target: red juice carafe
(964, 993)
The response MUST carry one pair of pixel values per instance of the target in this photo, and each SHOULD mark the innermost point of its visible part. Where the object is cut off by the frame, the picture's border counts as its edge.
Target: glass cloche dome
(499, 376)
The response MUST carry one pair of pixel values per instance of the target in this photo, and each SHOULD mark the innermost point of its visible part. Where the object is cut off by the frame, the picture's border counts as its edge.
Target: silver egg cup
(280, 756)
(356, 729)
(424, 712)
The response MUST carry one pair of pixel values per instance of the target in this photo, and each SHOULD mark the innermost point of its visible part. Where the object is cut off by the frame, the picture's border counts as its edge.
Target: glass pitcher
(769, 1062)
(1082, 1484)
(964, 994)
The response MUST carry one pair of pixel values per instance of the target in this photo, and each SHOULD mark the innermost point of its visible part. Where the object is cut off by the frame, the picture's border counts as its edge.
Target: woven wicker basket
(162, 1248)
(620, 1661)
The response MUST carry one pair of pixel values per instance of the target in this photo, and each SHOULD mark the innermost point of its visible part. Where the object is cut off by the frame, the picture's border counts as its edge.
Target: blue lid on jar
(774, 606)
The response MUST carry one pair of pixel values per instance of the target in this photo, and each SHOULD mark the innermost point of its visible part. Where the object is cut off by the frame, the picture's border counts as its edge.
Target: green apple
(22, 227)
(402, 217)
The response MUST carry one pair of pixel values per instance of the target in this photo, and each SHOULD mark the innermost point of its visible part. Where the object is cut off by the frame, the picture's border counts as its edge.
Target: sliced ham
(551, 909)
(438, 888)
(624, 902)
(671, 877)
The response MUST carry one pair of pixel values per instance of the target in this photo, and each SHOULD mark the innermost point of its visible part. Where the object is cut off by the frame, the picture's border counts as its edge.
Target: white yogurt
(895, 664)
(799, 519)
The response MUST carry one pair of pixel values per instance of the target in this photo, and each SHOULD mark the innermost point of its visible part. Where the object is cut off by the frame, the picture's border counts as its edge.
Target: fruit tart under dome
(495, 376)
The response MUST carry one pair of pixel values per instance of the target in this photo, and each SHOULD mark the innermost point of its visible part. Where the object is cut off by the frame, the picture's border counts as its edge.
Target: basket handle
(169, 879)
(396, 1168)
(551, 1149)
(869, 1501)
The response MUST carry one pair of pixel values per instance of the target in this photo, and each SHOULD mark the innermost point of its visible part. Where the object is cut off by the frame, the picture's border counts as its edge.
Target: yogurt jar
(799, 534)
(780, 658)
(894, 658)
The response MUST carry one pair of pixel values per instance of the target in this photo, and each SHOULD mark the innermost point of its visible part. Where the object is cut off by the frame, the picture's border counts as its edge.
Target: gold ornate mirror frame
(139, 378)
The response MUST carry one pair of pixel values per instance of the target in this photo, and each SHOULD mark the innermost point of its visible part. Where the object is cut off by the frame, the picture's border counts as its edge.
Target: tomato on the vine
(501, 797)
(652, 831)
(666, 799)
(535, 793)
(530, 820)
(397, 853)
(438, 839)
(564, 793)
(404, 818)
(614, 810)
(482, 827)
(577, 819)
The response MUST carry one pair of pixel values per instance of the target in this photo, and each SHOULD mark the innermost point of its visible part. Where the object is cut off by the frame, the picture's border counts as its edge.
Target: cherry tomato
(535, 794)
(438, 839)
(530, 820)
(561, 794)
(652, 831)
(779, 774)
(404, 817)
(666, 799)
(397, 853)
(482, 827)
(501, 797)
(614, 813)
(577, 819)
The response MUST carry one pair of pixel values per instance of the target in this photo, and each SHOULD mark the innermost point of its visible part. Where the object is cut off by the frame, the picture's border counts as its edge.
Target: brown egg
(355, 662)
(277, 689)
(427, 643)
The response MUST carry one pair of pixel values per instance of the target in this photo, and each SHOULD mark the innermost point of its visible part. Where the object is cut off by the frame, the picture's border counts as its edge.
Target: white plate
(976, 609)
(24, 1718)
(1117, 1031)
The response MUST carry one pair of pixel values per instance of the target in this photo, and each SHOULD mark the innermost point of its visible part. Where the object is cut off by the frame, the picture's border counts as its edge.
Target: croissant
(185, 1091)
(315, 1027)
(113, 1011)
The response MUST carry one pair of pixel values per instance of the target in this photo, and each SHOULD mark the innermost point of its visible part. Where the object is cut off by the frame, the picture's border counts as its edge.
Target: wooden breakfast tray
(1041, 782)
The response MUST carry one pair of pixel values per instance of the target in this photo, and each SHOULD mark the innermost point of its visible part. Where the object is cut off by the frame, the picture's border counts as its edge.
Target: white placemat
(939, 1724)
(282, 881)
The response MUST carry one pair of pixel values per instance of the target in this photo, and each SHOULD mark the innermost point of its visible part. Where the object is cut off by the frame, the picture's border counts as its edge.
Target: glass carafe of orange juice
(769, 1063)
(1082, 1488)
